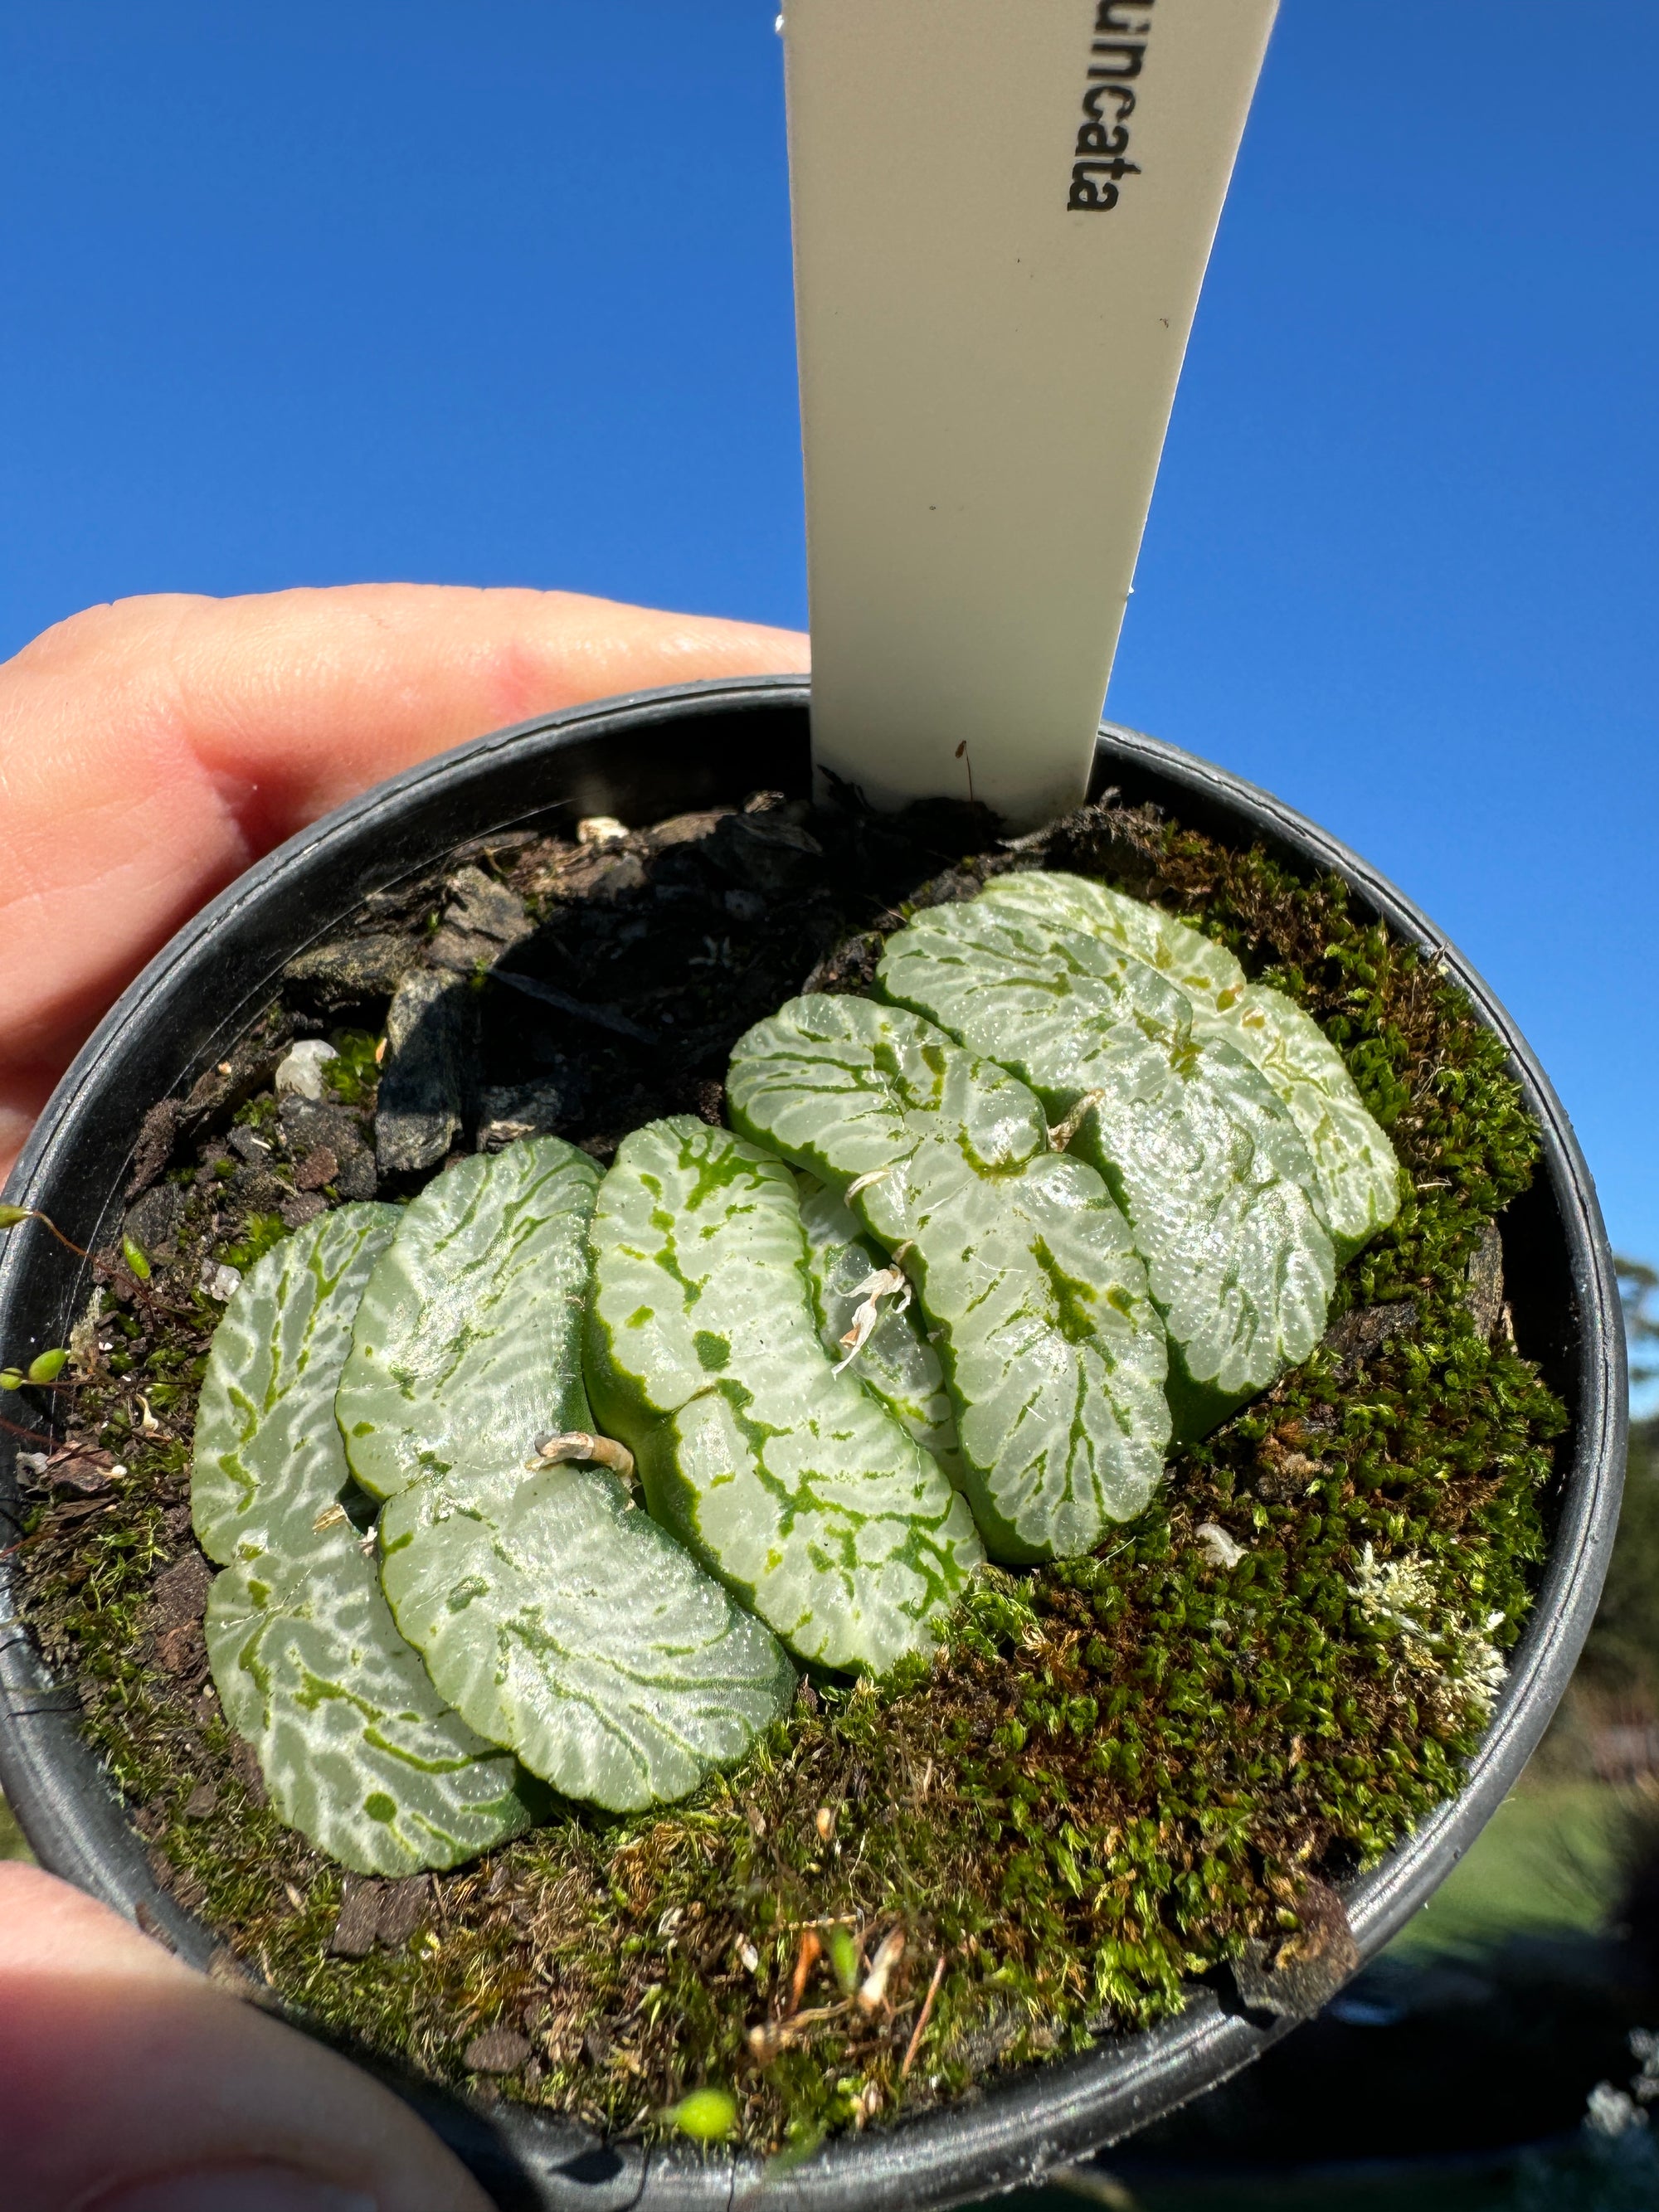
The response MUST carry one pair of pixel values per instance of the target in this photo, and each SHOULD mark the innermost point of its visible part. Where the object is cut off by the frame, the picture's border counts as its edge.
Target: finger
(151, 749)
(128, 2082)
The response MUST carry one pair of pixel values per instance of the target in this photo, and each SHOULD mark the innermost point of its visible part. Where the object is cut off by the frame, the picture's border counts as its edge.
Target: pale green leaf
(1356, 1169)
(1199, 1149)
(556, 1620)
(895, 1359)
(564, 1621)
(792, 1482)
(359, 1752)
(1183, 956)
(467, 1345)
(1357, 1175)
(1052, 1347)
(266, 1462)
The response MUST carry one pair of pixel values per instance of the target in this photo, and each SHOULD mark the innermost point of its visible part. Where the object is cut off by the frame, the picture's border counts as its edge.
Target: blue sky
(501, 294)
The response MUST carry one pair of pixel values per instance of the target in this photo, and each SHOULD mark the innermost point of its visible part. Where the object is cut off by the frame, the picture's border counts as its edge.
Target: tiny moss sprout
(353, 1073)
(261, 1233)
(843, 1958)
(11, 1217)
(708, 2115)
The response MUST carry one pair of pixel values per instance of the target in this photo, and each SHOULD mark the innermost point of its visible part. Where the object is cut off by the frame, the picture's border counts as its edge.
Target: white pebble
(1611, 2112)
(1227, 1551)
(219, 1280)
(600, 830)
(299, 1075)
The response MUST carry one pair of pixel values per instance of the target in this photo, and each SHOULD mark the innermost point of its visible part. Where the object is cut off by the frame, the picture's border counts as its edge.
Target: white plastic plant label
(1003, 209)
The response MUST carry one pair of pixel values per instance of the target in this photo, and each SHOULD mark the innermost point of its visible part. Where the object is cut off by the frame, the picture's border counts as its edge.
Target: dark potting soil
(1122, 1771)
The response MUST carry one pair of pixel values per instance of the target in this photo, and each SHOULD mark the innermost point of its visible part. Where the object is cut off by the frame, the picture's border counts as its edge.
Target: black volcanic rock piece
(483, 920)
(422, 1083)
(350, 971)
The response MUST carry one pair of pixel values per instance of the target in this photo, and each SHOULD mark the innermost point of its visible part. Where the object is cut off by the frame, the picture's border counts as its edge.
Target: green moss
(354, 1072)
(1119, 1770)
(260, 1114)
(261, 1233)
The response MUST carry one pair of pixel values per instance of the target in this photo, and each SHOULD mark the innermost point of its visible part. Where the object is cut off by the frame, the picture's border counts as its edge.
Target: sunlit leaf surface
(1357, 1175)
(467, 1345)
(358, 1750)
(1203, 1155)
(558, 1620)
(1051, 1345)
(559, 1617)
(895, 1359)
(793, 1483)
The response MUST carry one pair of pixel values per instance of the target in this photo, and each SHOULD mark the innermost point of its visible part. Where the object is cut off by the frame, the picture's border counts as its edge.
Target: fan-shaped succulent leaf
(557, 1621)
(1184, 956)
(1052, 1348)
(467, 1345)
(358, 1750)
(562, 1619)
(265, 1464)
(1357, 1175)
(1199, 1149)
(796, 1486)
(894, 1359)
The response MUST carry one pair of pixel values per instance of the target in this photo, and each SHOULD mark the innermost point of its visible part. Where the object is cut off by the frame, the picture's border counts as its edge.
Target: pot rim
(1047, 2114)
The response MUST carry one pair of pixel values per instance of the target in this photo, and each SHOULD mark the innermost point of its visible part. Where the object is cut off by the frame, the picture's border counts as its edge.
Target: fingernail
(236, 2188)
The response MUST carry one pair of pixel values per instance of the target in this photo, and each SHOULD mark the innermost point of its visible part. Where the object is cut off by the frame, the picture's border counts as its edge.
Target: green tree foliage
(1621, 1655)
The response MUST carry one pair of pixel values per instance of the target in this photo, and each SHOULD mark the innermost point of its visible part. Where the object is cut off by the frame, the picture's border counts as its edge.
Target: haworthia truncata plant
(1195, 1145)
(894, 1358)
(1052, 1347)
(1357, 1175)
(467, 1345)
(556, 1618)
(793, 1483)
(359, 1752)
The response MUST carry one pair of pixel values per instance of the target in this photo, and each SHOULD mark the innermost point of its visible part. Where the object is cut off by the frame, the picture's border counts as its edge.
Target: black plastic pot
(643, 758)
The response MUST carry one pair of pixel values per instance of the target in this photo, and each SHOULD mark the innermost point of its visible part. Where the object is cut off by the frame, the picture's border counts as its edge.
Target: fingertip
(122, 2069)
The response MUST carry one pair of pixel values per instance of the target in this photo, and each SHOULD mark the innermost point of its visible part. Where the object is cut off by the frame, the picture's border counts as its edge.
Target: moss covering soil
(1120, 1773)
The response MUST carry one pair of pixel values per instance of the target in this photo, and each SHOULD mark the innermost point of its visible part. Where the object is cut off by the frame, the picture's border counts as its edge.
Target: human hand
(149, 751)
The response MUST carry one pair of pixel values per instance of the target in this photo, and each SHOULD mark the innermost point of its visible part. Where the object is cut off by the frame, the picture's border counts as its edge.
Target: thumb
(129, 2083)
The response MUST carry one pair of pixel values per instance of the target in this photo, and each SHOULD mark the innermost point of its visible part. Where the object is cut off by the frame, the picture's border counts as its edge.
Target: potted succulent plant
(784, 1818)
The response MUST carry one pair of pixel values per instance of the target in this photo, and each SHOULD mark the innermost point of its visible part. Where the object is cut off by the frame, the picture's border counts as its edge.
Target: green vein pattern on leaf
(264, 1463)
(1053, 1349)
(467, 1345)
(556, 1619)
(793, 1483)
(564, 1621)
(895, 1361)
(1199, 1151)
(358, 1751)
(1357, 1173)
